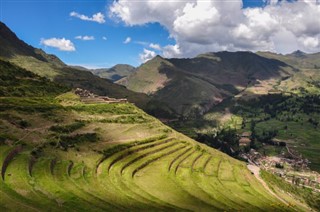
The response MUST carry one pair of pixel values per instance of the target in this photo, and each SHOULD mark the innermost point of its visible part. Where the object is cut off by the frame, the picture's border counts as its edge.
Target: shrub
(67, 128)
(70, 141)
(279, 166)
(24, 124)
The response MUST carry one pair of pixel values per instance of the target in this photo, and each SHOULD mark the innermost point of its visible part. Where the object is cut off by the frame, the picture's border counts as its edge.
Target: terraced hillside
(61, 154)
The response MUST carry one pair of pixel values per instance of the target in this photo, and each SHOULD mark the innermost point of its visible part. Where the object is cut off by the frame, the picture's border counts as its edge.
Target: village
(293, 169)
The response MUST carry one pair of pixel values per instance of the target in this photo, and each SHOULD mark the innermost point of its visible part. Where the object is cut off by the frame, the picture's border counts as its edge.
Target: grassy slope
(308, 77)
(148, 79)
(74, 78)
(279, 186)
(118, 158)
(15, 81)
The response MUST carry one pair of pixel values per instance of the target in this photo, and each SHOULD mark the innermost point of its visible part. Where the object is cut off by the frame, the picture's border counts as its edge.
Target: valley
(214, 92)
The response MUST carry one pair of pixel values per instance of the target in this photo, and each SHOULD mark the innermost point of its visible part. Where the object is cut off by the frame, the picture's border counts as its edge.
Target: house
(245, 139)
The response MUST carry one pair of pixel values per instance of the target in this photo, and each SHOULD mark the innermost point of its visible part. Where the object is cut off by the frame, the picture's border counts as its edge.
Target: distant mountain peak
(156, 60)
(298, 53)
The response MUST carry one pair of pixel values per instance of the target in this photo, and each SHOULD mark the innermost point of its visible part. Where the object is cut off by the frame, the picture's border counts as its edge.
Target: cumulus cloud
(155, 46)
(127, 40)
(147, 55)
(104, 38)
(199, 26)
(98, 17)
(171, 51)
(86, 37)
(60, 43)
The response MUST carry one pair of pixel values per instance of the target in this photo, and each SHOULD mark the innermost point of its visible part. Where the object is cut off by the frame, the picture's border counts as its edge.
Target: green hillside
(60, 154)
(15, 81)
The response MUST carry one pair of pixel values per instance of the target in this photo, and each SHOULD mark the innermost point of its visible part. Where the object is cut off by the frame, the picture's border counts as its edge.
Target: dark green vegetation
(290, 119)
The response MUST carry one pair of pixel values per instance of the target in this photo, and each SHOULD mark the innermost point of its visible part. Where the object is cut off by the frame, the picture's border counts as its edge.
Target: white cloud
(199, 26)
(171, 51)
(155, 46)
(127, 40)
(310, 42)
(104, 38)
(60, 43)
(98, 17)
(86, 37)
(147, 55)
(142, 43)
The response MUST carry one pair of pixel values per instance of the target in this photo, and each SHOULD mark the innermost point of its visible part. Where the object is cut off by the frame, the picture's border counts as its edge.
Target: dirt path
(256, 171)
(289, 151)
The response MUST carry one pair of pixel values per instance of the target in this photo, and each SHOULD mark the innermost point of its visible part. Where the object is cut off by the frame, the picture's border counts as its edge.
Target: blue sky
(36, 21)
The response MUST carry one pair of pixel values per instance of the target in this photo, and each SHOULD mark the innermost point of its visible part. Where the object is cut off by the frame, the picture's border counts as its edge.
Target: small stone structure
(88, 97)
(245, 139)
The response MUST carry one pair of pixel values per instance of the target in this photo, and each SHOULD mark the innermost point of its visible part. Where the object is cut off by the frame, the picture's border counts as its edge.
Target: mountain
(114, 73)
(192, 86)
(307, 78)
(16, 51)
(297, 59)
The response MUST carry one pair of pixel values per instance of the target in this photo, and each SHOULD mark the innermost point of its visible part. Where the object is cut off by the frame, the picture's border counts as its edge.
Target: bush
(67, 128)
(70, 141)
(279, 166)
(24, 124)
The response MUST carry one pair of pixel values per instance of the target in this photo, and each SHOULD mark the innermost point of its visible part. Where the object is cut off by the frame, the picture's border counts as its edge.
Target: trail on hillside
(256, 171)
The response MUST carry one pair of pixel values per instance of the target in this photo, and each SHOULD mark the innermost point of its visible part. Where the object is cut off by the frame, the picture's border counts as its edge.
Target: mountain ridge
(224, 74)
(50, 66)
